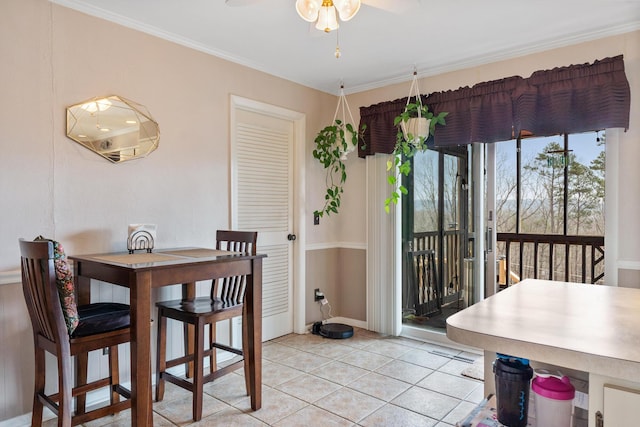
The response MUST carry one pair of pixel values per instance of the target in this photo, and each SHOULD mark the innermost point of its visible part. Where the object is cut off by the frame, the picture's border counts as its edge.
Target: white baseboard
(335, 245)
(345, 320)
(351, 322)
(628, 265)
(99, 397)
(23, 420)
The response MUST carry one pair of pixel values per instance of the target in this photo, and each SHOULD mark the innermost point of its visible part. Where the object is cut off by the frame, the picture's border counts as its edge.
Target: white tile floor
(366, 380)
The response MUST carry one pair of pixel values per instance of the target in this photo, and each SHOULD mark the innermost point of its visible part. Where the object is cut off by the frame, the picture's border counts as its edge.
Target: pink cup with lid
(553, 399)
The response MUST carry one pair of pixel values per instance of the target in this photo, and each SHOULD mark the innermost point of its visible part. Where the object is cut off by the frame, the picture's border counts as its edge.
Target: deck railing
(539, 256)
(554, 257)
(448, 260)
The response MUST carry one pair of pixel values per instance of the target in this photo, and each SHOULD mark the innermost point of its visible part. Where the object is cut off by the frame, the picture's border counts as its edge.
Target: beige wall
(16, 354)
(352, 282)
(339, 273)
(629, 278)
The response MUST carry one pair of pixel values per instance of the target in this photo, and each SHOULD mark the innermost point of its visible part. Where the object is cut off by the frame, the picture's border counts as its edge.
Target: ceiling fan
(325, 12)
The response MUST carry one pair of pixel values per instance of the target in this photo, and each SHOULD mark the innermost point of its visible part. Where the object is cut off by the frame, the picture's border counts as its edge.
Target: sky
(584, 146)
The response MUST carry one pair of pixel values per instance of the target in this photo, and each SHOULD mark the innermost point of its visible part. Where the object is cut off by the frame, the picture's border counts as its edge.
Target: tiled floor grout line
(365, 348)
(372, 380)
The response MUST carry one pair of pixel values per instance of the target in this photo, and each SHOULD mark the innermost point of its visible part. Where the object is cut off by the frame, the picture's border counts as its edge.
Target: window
(550, 208)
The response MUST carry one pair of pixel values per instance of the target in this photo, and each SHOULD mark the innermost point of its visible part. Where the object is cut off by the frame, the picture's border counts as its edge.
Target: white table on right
(589, 328)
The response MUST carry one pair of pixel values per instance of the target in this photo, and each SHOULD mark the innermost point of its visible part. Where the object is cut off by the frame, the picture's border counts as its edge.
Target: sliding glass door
(435, 234)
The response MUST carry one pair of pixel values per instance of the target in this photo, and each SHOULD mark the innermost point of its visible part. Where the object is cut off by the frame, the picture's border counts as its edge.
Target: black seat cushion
(201, 305)
(101, 317)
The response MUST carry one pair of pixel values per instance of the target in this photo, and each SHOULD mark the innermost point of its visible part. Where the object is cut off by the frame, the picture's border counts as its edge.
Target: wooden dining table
(141, 272)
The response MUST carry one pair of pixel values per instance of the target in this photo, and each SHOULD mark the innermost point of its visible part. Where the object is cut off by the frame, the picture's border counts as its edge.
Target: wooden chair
(224, 302)
(97, 326)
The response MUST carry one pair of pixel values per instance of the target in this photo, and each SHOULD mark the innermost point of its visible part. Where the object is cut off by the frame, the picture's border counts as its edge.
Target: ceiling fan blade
(394, 6)
(239, 3)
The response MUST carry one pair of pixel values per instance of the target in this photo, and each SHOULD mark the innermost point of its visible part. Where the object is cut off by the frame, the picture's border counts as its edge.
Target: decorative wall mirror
(113, 127)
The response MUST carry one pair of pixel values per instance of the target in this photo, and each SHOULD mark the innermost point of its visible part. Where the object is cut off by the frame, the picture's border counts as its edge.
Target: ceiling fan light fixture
(325, 12)
(308, 9)
(99, 105)
(327, 19)
(347, 9)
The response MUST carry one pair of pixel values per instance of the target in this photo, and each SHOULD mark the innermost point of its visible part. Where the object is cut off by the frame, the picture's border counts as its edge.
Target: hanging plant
(415, 124)
(333, 143)
(416, 121)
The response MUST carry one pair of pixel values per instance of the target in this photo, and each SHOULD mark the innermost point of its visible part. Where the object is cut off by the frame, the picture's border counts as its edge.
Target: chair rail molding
(335, 245)
(10, 277)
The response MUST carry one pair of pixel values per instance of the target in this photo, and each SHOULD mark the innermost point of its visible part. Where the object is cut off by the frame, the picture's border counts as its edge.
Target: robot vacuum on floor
(332, 330)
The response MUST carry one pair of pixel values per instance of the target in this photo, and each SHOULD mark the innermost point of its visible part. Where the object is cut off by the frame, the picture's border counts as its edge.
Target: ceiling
(378, 46)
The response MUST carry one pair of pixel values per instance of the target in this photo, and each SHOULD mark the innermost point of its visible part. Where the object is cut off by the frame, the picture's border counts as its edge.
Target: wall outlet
(316, 219)
(317, 295)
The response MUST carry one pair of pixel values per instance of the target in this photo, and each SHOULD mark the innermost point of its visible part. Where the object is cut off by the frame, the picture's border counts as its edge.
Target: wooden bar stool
(224, 302)
(65, 330)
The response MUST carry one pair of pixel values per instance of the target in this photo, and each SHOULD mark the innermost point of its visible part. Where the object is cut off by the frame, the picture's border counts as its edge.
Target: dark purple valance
(380, 133)
(483, 112)
(577, 98)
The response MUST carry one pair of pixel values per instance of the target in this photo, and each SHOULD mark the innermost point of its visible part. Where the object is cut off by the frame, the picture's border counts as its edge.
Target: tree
(583, 198)
(597, 167)
(506, 193)
(548, 173)
(425, 187)
(506, 189)
(426, 194)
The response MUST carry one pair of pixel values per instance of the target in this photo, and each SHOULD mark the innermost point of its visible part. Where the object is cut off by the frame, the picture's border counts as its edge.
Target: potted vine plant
(333, 143)
(415, 123)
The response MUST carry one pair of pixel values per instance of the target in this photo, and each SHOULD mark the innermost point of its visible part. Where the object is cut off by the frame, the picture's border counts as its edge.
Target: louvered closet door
(263, 201)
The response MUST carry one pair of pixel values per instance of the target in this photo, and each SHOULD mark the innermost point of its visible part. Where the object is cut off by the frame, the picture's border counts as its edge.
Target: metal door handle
(291, 237)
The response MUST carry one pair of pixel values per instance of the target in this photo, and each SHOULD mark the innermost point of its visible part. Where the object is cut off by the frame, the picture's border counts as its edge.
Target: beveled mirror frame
(113, 127)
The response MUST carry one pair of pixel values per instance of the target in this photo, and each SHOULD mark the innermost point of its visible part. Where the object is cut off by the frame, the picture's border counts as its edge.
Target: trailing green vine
(332, 144)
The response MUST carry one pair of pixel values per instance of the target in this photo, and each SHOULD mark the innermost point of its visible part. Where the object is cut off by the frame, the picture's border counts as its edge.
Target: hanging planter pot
(415, 128)
(350, 146)
(415, 119)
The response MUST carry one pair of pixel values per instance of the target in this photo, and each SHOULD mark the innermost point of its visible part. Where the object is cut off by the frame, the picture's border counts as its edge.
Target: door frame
(478, 181)
(299, 152)
(463, 230)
